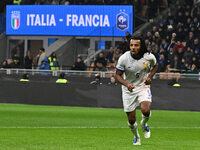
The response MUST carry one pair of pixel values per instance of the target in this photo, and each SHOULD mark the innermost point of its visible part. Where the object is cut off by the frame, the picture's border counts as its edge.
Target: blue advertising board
(71, 20)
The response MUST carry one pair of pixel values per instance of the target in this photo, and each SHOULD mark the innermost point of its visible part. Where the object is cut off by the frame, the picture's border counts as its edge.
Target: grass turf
(29, 127)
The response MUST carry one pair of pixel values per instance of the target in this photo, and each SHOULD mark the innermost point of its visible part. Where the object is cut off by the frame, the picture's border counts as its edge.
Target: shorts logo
(15, 19)
(122, 21)
(149, 94)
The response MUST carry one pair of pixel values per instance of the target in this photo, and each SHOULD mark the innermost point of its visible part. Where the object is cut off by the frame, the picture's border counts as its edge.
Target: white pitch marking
(20, 127)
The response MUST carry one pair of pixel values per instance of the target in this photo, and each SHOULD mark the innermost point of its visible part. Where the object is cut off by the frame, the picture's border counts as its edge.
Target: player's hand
(130, 87)
(148, 81)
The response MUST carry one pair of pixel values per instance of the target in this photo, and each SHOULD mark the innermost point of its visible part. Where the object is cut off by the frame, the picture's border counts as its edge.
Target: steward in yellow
(17, 2)
(53, 61)
(25, 78)
(61, 79)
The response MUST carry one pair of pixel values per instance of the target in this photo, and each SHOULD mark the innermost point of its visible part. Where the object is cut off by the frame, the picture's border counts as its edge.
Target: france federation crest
(122, 21)
(15, 19)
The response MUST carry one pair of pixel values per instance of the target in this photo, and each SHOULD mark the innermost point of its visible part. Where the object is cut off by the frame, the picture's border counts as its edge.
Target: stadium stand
(173, 38)
(179, 34)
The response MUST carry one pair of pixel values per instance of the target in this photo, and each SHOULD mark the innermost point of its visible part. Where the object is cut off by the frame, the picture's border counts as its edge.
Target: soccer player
(134, 70)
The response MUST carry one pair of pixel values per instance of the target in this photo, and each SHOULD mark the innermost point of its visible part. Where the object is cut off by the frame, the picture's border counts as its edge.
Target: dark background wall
(78, 92)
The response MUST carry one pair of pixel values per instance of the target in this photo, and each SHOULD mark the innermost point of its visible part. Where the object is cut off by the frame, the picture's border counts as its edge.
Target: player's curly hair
(143, 49)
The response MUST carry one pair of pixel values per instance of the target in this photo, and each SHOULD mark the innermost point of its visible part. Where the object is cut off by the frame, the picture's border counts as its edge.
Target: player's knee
(132, 121)
(146, 112)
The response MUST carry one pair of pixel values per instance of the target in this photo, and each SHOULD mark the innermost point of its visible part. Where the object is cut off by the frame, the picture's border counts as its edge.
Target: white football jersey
(135, 71)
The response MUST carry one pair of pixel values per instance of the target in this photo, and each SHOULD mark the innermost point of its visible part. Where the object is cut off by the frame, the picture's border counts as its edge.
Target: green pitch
(28, 127)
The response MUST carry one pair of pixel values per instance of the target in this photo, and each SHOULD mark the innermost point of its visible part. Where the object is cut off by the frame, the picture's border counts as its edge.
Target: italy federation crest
(122, 21)
(15, 19)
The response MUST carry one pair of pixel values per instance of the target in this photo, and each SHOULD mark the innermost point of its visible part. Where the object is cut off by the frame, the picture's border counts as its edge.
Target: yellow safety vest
(24, 80)
(176, 85)
(51, 63)
(61, 81)
(16, 61)
(17, 2)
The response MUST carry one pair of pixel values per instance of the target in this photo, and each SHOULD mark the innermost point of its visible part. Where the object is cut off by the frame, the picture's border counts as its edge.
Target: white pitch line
(20, 127)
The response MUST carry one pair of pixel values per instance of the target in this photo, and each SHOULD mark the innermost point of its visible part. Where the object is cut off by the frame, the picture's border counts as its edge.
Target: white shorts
(132, 100)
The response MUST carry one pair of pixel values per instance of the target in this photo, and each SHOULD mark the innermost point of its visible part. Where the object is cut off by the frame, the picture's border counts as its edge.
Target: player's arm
(120, 79)
(152, 73)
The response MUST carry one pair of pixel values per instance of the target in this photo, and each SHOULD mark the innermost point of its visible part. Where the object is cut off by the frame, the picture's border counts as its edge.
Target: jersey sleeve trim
(120, 70)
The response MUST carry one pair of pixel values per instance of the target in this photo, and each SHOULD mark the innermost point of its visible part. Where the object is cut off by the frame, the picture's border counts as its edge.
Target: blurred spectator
(179, 18)
(40, 56)
(180, 34)
(163, 45)
(175, 63)
(196, 44)
(128, 37)
(92, 66)
(194, 69)
(170, 30)
(97, 80)
(7, 64)
(124, 46)
(195, 23)
(161, 63)
(110, 54)
(188, 55)
(53, 61)
(16, 61)
(28, 61)
(186, 32)
(170, 55)
(178, 45)
(196, 52)
(149, 36)
(100, 62)
(173, 37)
(180, 53)
(188, 22)
(190, 39)
(45, 64)
(79, 64)
(117, 54)
(187, 15)
(154, 47)
(156, 38)
(112, 81)
(184, 65)
(16, 51)
(154, 30)
(195, 61)
(55, 2)
(61, 78)
(64, 2)
(147, 42)
(170, 16)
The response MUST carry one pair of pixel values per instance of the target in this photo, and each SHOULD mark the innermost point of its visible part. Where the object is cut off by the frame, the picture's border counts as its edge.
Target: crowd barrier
(42, 90)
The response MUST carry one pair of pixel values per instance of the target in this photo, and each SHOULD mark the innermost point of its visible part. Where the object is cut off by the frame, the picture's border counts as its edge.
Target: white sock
(134, 129)
(145, 119)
